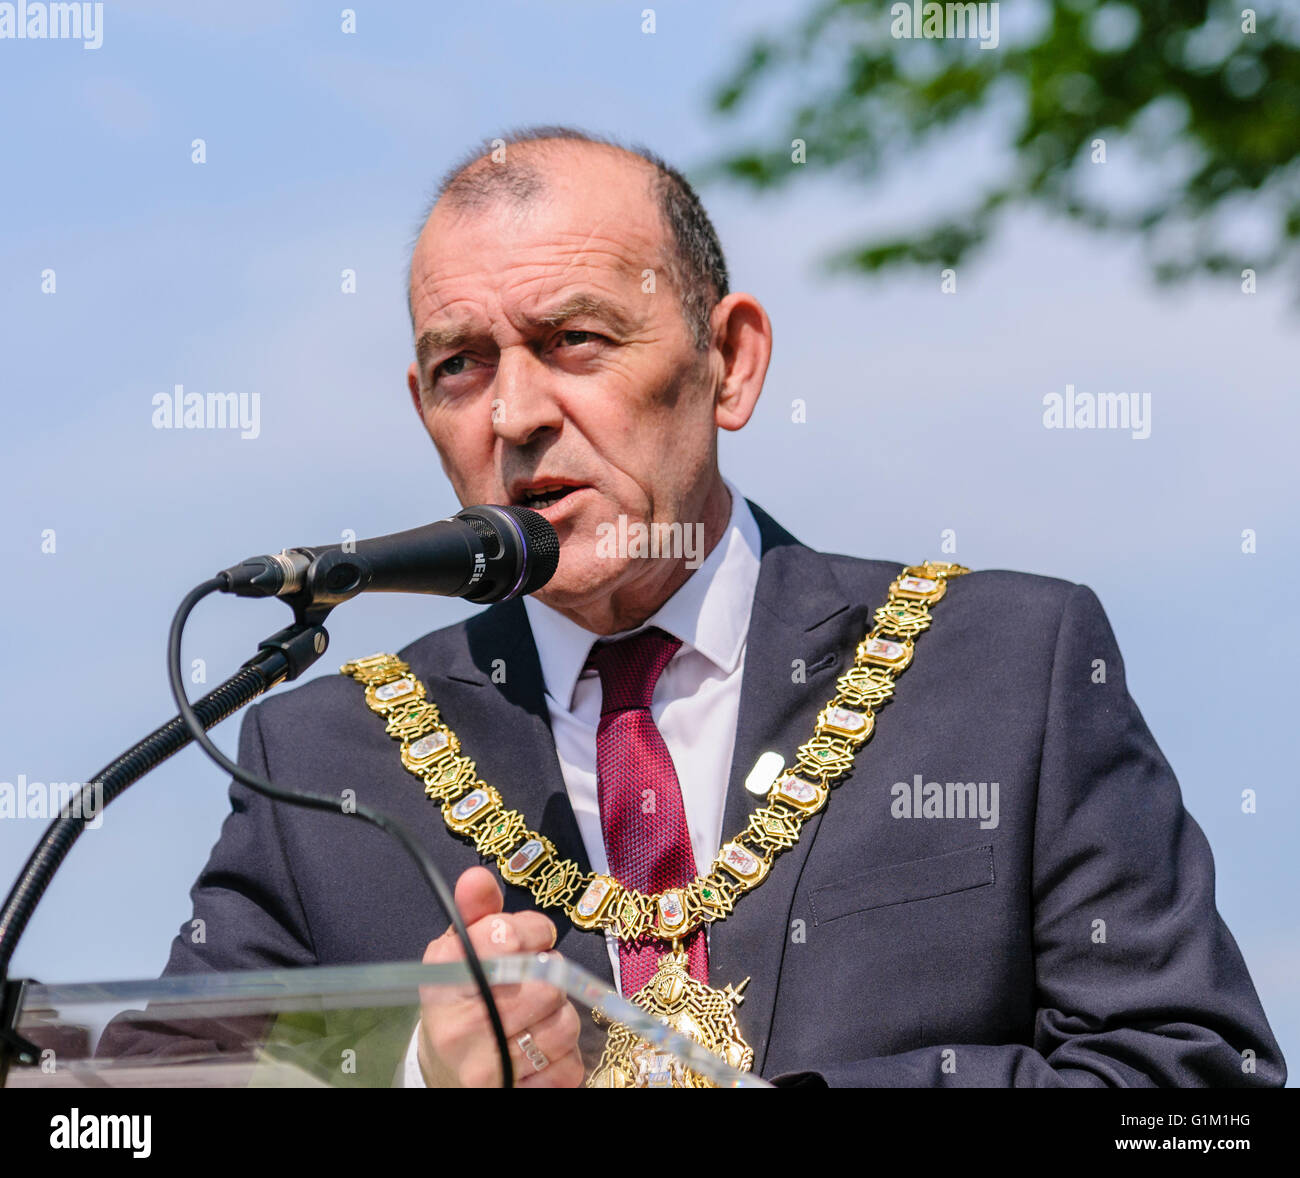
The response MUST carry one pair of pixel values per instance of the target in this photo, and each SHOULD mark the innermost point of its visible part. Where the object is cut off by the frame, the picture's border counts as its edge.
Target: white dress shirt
(695, 705)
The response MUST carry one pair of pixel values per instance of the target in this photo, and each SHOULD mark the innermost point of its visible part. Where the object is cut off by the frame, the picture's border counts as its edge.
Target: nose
(524, 407)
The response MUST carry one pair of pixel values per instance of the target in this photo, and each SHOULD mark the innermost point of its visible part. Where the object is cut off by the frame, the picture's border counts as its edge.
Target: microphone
(483, 554)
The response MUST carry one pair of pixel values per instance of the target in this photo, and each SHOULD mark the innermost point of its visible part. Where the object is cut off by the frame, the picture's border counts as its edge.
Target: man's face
(549, 358)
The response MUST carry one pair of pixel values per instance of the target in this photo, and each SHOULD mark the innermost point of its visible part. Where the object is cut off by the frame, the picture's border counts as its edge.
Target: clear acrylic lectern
(333, 1027)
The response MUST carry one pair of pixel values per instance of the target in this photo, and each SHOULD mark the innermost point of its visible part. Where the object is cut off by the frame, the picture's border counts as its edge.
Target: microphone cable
(260, 785)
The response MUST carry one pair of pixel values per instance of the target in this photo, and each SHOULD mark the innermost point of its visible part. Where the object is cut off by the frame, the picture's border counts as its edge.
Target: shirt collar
(709, 612)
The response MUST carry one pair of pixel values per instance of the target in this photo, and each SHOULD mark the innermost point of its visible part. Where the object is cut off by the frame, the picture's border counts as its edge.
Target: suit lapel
(489, 688)
(801, 618)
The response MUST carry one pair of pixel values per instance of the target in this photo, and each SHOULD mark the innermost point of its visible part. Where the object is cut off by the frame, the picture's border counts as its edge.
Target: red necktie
(641, 814)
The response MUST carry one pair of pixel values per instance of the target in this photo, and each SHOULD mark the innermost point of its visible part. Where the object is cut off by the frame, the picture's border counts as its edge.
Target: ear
(413, 383)
(742, 340)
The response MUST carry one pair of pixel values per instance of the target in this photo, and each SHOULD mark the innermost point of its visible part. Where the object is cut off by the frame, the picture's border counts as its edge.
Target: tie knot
(630, 668)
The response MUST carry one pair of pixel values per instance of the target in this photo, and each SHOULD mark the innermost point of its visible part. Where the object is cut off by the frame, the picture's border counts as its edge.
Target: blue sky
(321, 149)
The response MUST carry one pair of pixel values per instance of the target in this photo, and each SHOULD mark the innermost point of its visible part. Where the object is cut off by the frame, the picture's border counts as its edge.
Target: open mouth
(543, 497)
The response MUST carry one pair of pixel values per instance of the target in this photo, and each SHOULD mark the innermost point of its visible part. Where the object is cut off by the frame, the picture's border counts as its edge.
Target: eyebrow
(454, 336)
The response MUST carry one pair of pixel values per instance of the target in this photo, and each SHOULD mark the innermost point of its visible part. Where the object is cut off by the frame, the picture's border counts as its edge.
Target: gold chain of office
(475, 810)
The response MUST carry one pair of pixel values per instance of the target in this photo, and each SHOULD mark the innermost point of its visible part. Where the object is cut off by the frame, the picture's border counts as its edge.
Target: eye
(452, 366)
(573, 339)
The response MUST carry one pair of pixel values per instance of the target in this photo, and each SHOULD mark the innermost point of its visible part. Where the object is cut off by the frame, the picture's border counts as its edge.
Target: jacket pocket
(901, 883)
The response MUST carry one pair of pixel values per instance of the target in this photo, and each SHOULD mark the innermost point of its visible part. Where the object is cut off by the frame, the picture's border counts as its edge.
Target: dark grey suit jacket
(1075, 943)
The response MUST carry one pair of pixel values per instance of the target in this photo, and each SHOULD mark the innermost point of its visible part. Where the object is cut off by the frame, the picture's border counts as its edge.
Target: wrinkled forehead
(566, 211)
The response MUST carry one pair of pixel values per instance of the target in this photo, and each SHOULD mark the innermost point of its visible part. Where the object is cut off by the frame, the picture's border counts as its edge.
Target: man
(577, 350)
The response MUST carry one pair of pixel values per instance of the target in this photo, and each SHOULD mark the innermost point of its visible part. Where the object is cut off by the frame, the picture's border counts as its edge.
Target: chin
(578, 587)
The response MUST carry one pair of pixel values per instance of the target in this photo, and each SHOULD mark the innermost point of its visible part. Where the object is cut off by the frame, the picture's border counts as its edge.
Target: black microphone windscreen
(543, 546)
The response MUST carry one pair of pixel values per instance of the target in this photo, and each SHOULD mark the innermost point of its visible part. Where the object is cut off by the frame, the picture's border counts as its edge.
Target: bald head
(525, 167)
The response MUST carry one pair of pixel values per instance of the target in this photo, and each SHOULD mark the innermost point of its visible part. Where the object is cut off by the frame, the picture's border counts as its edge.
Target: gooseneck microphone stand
(281, 657)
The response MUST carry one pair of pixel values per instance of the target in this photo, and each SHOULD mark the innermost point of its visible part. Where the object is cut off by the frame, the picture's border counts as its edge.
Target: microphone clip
(298, 645)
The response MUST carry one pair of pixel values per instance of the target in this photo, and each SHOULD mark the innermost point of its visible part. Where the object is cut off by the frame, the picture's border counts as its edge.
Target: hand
(455, 1031)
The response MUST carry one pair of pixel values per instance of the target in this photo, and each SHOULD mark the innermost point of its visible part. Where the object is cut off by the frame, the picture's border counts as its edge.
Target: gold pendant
(688, 1006)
